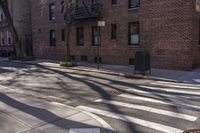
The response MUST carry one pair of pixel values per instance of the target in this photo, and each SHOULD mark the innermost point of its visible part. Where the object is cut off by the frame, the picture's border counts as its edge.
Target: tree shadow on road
(98, 89)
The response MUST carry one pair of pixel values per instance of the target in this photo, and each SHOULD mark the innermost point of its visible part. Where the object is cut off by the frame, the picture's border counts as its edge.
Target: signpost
(100, 24)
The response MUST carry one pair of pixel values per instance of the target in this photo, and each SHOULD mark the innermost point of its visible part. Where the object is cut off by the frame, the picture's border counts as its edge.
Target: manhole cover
(84, 130)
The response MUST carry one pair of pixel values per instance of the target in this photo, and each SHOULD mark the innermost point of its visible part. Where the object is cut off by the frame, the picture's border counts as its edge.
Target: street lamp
(100, 24)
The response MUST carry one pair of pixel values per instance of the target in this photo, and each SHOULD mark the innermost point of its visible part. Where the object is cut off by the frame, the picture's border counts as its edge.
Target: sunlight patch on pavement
(5, 78)
(9, 68)
(76, 76)
(197, 80)
(84, 130)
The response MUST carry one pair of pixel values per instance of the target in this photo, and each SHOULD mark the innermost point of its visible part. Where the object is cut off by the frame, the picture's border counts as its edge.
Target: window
(199, 31)
(8, 37)
(84, 58)
(134, 3)
(113, 31)
(80, 36)
(96, 59)
(95, 36)
(1, 38)
(52, 11)
(9, 40)
(114, 2)
(63, 35)
(1, 14)
(52, 38)
(134, 33)
(131, 61)
(62, 7)
(95, 1)
(3, 41)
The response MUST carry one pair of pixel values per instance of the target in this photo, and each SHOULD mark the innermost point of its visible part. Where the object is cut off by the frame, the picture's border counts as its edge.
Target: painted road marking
(170, 90)
(84, 130)
(176, 85)
(188, 106)
(162, 94)
(150, 109)
(149, 124)
(97, 118)
(197, 80)
(76, 76)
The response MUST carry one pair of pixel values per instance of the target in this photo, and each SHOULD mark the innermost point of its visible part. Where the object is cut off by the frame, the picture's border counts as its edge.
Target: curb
(130, 76)
(105, 125)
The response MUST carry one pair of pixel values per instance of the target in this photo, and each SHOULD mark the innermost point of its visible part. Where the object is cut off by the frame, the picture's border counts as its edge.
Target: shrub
(68, 63)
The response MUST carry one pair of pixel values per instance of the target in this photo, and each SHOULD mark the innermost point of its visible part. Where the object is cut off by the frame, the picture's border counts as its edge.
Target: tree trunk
(198, 6)
(17, 43)
(68, 41)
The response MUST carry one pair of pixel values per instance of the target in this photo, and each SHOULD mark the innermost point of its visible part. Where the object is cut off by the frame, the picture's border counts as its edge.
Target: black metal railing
(86, 11)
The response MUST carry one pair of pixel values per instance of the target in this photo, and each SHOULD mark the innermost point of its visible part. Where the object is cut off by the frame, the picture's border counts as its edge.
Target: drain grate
(115, 92)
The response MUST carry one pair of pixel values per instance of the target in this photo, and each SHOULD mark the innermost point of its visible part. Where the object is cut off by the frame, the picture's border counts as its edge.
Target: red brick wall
(195, 41)
(167, 30)
(40, 30)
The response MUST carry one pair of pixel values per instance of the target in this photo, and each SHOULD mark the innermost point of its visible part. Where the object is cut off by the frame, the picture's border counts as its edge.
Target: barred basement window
(134, 31)
(134, 3)
(52, 38)
(84, 58)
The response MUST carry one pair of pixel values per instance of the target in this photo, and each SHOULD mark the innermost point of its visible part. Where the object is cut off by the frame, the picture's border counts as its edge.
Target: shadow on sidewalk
(44, 114)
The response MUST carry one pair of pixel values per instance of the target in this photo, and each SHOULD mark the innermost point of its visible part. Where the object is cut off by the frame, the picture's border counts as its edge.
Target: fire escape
(83, 10)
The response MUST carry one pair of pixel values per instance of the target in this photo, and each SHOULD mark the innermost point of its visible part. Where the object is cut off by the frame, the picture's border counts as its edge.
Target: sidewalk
(20, 113)
(128, 71)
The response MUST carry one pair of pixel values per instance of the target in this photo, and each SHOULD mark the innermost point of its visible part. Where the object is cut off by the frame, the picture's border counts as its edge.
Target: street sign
(101, 23)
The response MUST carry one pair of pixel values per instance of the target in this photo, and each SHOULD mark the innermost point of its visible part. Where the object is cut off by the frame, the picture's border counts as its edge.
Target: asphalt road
(128, 105)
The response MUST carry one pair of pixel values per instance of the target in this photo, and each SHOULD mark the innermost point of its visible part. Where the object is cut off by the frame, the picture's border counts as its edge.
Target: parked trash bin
(142, 62)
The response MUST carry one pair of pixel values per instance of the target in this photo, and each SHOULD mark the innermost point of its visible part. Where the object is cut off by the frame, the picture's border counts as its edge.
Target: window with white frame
(8, 38)
(134, 33)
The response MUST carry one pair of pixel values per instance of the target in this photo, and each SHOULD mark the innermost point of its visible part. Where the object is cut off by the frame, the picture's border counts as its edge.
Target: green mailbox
(142, 62)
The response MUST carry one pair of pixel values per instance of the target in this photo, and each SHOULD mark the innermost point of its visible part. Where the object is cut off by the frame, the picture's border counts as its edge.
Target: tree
(17, 45)
(74, 8)
(198, 6)
(69, 17)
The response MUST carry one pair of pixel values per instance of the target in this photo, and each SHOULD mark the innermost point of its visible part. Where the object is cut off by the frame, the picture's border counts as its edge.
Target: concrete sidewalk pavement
(20, 113)
(128, 71)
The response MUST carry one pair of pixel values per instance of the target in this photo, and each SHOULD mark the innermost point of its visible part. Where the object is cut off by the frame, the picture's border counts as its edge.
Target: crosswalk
(150, 102)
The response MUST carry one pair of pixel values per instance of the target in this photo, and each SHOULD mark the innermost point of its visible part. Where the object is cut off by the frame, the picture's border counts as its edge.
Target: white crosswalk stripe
(150, 109)
(176, 85)
(149, 124)
(170, 90)
(163, 94)
(151, 96)
(188, 106)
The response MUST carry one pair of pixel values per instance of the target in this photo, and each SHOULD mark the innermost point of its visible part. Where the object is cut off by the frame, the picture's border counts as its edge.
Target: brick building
(169, 30)
(20, 12)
